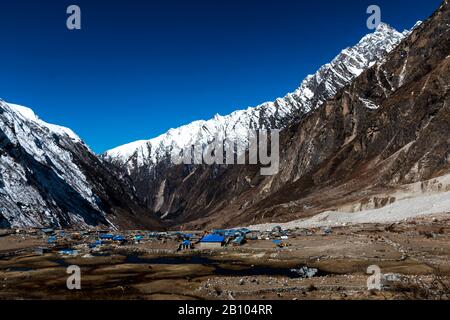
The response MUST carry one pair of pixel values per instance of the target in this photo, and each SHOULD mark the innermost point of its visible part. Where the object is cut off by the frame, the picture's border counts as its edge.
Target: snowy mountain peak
(384, 27)
(313, 91)
(29, 115)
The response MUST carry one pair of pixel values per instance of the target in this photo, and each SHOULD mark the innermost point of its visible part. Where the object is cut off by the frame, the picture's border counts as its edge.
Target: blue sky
(138, 68)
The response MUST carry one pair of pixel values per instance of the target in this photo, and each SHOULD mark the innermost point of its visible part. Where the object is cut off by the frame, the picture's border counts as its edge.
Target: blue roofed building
(119, 238)
(107, 237)
(212, 241)
(51, 240)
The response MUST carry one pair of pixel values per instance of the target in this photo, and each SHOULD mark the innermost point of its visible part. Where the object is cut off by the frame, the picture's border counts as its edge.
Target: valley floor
(416, 253)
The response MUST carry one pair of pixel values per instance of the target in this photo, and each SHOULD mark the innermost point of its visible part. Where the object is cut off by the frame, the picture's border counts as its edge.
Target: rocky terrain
(412, 257)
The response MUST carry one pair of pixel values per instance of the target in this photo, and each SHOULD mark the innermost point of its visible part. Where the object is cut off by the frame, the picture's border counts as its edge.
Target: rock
(305, 272)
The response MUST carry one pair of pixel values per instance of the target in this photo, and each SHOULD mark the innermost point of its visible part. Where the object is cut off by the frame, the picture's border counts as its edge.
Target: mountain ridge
(314, 90)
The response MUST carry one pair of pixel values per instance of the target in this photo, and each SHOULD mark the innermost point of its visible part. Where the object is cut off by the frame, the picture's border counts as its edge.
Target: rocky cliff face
(388, 127)
(49, 177)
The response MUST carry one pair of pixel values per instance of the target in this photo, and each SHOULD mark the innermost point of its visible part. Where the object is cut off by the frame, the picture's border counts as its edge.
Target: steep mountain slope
(49, 177)
(389, 127)
(313, 91)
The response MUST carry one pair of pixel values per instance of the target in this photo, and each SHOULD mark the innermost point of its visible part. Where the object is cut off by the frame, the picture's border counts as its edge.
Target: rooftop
(213, 238)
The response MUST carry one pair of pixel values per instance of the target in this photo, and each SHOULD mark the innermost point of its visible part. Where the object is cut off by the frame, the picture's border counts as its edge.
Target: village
(239, 263)
(71, 242)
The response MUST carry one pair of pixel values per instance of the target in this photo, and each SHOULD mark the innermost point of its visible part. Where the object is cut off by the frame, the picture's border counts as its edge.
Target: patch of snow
(368, 104)
(29, 115)
(401, 80)
(400, 210)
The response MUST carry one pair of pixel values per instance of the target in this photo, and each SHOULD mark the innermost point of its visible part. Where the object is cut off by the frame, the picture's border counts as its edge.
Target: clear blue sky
(138, 68)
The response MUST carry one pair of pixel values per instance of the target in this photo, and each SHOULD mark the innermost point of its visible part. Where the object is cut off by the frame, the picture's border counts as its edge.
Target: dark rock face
(390, 126)
(4, 224)
(116, 197)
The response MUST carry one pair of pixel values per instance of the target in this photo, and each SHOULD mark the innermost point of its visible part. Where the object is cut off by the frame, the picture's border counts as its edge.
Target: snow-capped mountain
(313, 91)
(49, 177)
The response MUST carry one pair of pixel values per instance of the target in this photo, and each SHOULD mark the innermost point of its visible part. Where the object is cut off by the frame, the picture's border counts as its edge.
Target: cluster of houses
(238, 237)
(186, 241)
(219, 238)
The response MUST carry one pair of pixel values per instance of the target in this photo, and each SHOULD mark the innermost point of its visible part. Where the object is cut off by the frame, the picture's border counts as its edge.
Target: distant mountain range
(371, 121)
